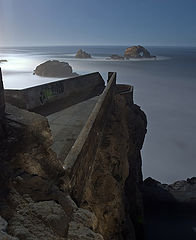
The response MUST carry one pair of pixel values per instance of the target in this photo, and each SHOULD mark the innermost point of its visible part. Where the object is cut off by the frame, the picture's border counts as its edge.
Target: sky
(97, 22)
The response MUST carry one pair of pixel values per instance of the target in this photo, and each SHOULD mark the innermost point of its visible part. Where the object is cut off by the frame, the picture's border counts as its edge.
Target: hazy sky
(97, 22)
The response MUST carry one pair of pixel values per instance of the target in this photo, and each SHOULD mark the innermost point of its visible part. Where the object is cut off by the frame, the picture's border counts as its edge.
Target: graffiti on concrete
(50, 91)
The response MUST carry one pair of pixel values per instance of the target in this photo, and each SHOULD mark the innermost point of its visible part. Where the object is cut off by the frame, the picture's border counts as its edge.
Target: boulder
(54, 68)
(82, 54)
(137, 52)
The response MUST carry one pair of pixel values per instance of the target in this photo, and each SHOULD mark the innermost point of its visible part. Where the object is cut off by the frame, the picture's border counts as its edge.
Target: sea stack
(82, 54)
(54, 68)
(137, 52)
(116, 57)
(3, 60)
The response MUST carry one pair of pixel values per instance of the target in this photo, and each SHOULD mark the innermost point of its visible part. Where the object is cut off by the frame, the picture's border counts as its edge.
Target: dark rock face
(82, 54)
(137, 52)
(54, 69)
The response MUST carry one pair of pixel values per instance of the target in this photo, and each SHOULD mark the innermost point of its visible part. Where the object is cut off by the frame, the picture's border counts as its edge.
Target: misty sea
(164, 88)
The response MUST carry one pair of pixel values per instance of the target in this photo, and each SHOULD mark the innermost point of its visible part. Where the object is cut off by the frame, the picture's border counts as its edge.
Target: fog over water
(164, 88)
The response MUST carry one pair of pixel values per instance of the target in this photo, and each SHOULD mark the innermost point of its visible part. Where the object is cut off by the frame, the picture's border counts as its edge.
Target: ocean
(164, 88)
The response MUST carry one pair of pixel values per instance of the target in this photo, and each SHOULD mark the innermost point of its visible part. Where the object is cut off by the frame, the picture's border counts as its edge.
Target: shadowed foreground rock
(32, 205)
(55, 69)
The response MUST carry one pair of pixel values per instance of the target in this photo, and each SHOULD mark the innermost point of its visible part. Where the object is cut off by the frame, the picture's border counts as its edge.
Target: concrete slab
(67, 124)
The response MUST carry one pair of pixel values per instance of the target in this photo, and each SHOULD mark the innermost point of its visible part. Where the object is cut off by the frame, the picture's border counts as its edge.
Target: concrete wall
(67, 90)
(2, 109)
(79, 162)
(2, 102)
(126, 91)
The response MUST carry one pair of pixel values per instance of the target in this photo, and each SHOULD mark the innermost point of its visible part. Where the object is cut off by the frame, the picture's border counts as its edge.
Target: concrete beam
(111, 75)
(2, 101)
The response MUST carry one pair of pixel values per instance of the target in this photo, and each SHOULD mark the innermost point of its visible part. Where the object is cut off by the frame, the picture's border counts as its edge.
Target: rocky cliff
(112, 191)
(34, 204)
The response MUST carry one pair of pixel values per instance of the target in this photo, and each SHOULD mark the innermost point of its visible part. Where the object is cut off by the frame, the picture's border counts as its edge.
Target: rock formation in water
(137, 52)
(116, 57)
(82, 54)
(55, 69)
(3, 60)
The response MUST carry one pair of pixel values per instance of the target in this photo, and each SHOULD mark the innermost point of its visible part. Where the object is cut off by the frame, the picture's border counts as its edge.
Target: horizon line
(95, 45)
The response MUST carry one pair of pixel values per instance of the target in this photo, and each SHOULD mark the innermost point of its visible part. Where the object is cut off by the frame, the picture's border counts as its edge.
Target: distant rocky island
(82, 54)
(135, 52)
(3, 60)
(54, 68)
(116, 57)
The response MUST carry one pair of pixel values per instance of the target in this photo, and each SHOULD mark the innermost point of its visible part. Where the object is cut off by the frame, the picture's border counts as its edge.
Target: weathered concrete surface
(67, 124)
(55, 96)
(2, 108)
